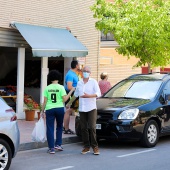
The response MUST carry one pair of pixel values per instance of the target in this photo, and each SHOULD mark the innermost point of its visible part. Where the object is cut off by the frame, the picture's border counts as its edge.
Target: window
(107, 37)
(135, 89)
(167, 88)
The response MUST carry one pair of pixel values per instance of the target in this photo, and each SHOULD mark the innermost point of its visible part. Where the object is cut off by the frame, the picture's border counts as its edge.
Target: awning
(51, 42)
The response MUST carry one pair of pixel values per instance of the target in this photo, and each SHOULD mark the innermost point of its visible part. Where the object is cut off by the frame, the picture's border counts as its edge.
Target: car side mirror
(161, 99)
(167, 98)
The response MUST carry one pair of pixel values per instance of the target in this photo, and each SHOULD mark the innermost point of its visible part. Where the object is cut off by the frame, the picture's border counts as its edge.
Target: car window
(144, 89)
(3, 105)
(166, 90)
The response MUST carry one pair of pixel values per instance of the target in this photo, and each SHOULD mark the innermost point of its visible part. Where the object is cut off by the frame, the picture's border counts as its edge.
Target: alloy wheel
(152, 133)
(3, 157)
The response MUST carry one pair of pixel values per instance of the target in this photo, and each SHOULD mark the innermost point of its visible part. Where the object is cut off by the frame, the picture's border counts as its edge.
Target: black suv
(137, 108)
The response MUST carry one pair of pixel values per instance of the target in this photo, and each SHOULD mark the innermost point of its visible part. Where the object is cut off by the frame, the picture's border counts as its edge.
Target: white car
(9, 135)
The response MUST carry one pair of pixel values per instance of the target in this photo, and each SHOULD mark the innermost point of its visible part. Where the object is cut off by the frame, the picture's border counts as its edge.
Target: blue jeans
(52, 115)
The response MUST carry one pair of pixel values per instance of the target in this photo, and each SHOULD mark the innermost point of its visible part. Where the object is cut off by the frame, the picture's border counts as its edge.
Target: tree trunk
(149, 68)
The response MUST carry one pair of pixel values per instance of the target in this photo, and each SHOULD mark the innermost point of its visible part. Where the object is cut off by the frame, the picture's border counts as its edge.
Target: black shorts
(75, 103)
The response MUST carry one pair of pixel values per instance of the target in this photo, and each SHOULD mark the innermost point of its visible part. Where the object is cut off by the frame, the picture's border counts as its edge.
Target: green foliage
(30, 106)
(141, 28)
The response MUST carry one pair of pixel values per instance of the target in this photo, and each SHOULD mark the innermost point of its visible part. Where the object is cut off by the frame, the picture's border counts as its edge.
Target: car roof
(152, 76)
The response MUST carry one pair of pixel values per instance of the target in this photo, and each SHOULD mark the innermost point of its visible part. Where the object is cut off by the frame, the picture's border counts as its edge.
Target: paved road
(118, 156)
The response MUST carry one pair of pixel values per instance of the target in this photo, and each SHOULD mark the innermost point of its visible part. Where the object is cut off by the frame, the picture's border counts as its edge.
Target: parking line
(150, 150)
(66, 167)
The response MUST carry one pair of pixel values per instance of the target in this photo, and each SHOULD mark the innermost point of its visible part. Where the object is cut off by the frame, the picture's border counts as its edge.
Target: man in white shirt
(87, 90)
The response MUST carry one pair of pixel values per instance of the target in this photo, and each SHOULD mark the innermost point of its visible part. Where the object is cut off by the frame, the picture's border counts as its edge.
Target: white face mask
(86, 75)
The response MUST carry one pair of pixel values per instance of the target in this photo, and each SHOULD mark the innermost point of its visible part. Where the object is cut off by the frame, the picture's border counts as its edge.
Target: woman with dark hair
(103, 83)
(53, 107)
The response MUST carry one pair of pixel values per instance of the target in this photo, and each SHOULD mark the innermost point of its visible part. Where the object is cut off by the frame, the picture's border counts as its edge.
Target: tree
(141, 28)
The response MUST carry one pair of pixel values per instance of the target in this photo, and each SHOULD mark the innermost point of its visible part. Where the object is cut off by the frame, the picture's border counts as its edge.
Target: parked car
(9, 135)
(135, 109)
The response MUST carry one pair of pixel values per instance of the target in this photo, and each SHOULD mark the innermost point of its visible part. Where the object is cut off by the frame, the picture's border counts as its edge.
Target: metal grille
(105, 116)
(12, 38)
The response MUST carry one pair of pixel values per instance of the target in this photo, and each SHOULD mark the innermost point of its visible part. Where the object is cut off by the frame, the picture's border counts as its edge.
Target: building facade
(75, 15)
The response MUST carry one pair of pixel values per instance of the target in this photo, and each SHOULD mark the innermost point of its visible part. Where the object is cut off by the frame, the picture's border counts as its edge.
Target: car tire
(5, 148)
(150, 134)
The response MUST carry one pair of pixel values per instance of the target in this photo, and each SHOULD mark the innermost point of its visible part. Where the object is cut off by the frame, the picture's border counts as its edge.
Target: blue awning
(51, 42)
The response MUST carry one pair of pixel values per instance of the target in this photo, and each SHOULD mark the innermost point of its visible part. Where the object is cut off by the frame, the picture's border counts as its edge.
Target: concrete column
(67, 65)
(20, 83)
(44, 73)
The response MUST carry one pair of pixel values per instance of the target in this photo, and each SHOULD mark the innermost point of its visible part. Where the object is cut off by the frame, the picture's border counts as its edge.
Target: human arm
(43, 107)
(109, 86)
(76, 94)
(69, 85)
(96, 91)
(66, 97)
(89, 95)
(71, 101)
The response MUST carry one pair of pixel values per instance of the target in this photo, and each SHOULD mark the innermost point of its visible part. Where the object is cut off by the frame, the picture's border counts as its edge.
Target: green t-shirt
(54, 93)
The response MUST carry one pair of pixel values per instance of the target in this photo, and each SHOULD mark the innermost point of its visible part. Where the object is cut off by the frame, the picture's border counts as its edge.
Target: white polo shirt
(91, 87)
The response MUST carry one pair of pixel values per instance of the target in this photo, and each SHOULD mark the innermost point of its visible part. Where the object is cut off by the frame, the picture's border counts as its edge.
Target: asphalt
(26, 128)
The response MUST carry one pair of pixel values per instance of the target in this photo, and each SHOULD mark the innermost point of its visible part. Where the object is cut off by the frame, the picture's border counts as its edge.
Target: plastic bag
(39, 131)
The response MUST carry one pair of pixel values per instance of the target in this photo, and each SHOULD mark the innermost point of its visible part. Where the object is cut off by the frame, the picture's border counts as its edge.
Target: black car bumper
(128, 130)
(121, 130)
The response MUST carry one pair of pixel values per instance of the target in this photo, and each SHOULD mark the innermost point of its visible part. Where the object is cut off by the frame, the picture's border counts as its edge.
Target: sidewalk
(26, 128)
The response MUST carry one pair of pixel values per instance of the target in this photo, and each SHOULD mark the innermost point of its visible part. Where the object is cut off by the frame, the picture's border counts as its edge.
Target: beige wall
(54, 13)
(117, 66)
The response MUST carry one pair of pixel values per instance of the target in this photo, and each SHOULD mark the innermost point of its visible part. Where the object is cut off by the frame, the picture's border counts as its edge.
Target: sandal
(69, 131)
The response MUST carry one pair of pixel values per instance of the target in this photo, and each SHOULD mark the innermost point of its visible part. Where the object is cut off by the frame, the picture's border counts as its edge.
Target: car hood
(119, 103)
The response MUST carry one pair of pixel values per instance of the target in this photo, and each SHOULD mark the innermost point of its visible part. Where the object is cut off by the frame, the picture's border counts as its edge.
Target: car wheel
(150, 135)
(5, 155)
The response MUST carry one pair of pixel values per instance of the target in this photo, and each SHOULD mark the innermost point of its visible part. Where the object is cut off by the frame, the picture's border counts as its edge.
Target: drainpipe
(98, 55)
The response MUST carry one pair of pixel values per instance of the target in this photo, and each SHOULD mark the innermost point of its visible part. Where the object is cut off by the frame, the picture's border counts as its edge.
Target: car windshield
(143, 89)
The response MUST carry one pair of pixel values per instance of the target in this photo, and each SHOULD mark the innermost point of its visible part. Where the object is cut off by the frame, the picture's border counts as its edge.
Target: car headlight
(129, 114)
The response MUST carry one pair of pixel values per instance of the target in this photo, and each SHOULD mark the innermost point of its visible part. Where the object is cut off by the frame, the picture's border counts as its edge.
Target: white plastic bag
(39, 131)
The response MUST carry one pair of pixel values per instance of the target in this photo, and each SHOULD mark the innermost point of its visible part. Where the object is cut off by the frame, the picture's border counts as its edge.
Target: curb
(36, 145)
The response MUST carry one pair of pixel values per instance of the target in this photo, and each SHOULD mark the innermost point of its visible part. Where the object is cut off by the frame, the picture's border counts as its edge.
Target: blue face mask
(86, 75)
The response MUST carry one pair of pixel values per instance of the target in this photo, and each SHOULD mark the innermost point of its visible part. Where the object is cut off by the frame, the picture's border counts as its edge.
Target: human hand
(42, 114)
(85, 95)
(73, 89)
(68, 105)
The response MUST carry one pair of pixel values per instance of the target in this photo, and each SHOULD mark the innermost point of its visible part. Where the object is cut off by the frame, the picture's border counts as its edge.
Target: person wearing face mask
(87, 90)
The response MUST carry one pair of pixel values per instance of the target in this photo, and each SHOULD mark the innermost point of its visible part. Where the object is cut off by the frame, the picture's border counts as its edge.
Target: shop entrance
(8, 73)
